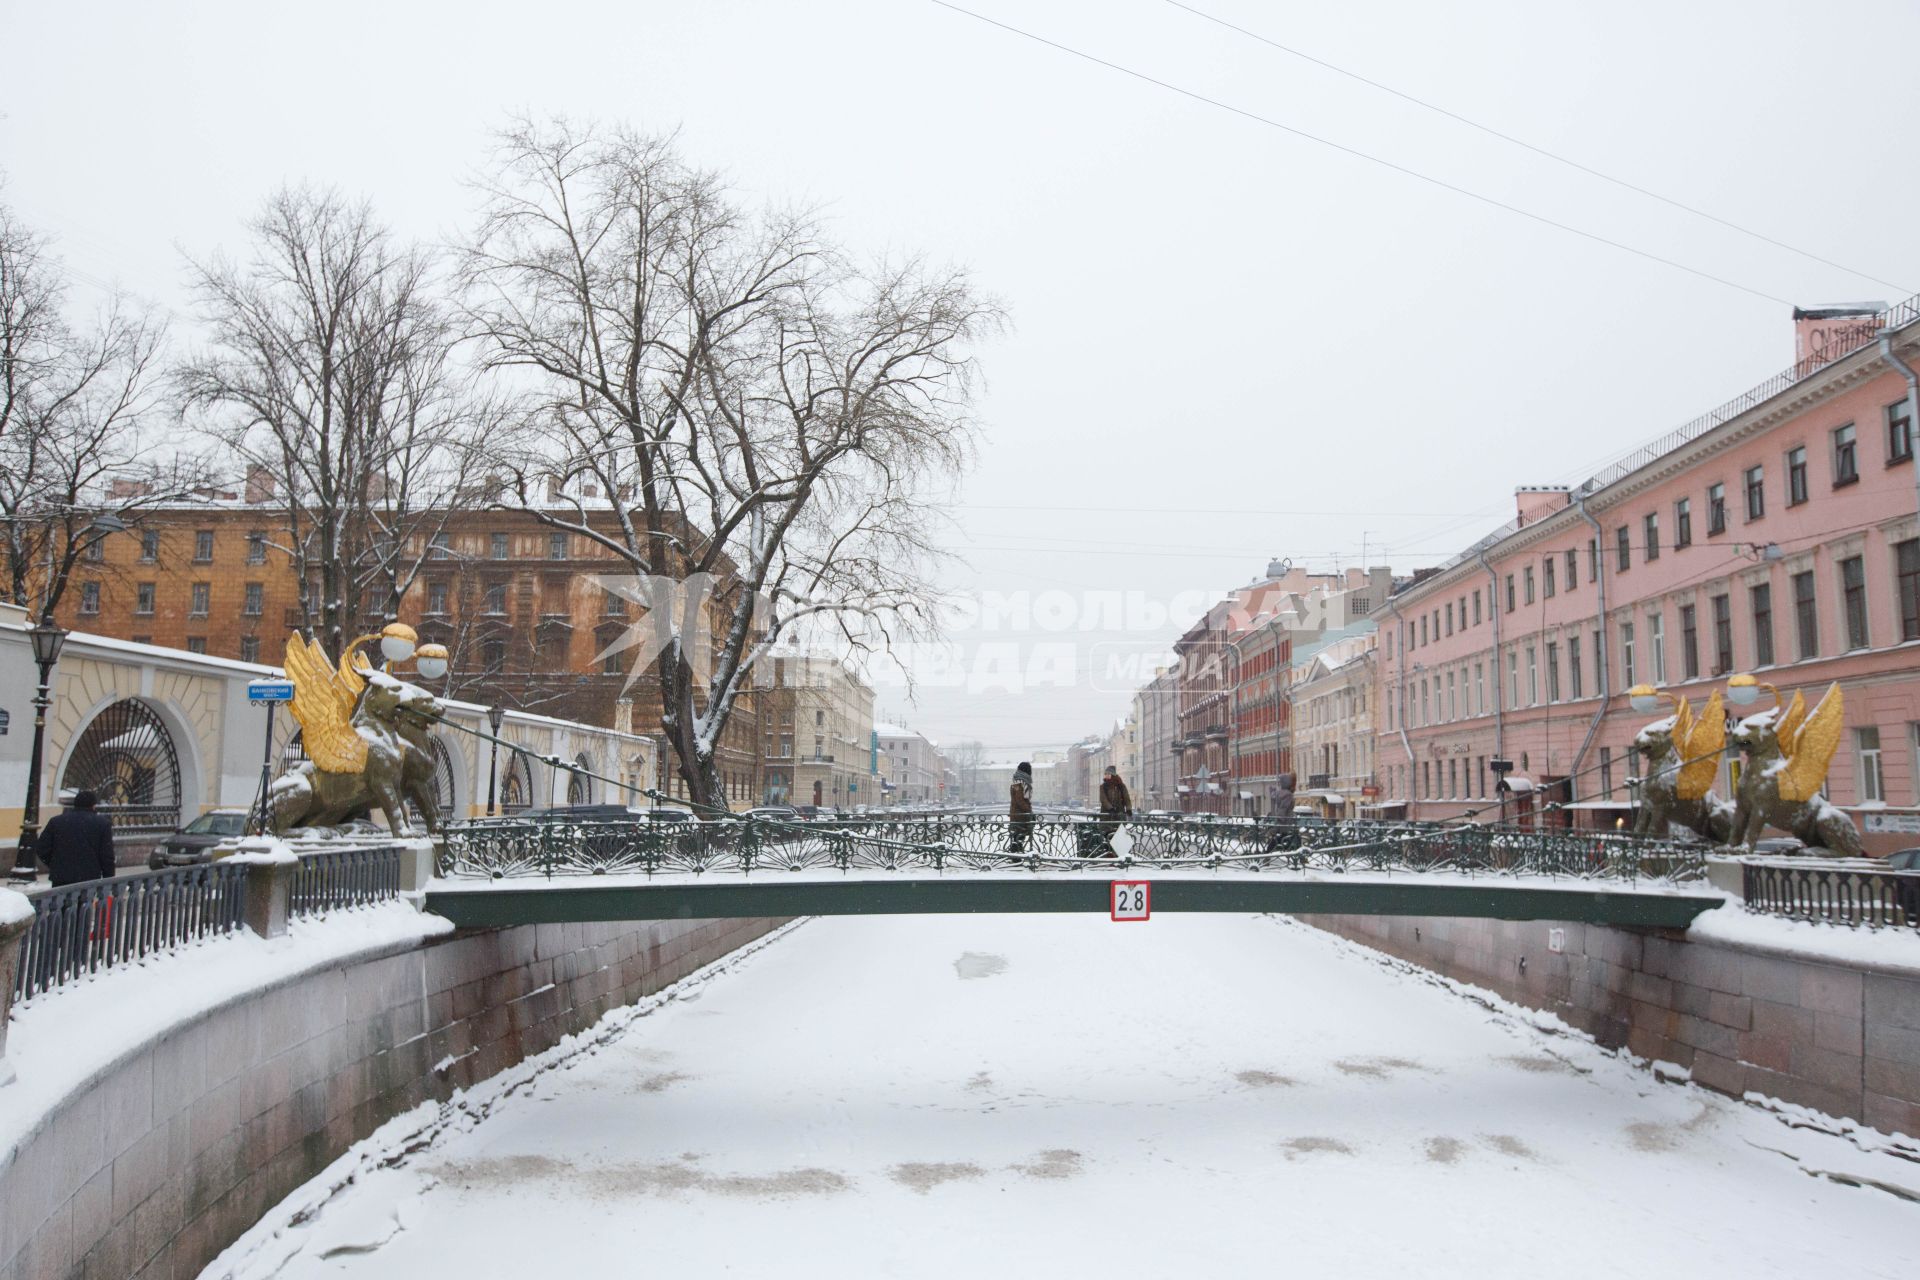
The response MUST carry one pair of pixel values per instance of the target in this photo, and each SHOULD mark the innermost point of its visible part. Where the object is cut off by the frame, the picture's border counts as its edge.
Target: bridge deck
(487, 903)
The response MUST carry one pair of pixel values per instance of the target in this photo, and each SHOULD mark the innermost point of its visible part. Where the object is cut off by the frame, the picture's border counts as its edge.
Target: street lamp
(495, 714)
(397, 642)
(1743, 690)
(430, 660)
(1644, 698)
(47, 638)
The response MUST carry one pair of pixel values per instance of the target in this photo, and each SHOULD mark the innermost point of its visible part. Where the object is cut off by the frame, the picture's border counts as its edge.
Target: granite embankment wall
(153, 1169)
(1840, 1038)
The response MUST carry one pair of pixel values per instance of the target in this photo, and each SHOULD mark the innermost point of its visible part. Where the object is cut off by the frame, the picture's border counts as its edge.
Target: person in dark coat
(1020, 808)
(1115, 806)
(78, 844)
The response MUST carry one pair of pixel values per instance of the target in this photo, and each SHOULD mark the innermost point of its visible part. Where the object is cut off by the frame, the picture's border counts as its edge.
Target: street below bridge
(1206, 1095)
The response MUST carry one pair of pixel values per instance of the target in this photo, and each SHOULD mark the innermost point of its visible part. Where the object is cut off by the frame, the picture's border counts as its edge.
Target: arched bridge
(532, 871)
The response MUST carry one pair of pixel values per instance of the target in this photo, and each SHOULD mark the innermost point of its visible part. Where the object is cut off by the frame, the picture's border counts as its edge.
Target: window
(1573, 570)
(1899, 431)
(1846, 467)
(436, 597)
(497, 546)
(1806, 632)
(1526, 577)
(1573, 666)
(1626, 654)
(1449, 617)
(1480, 687)
(1866, 746)
(89, 598)
(1453, 777)
(1722, 635)
(196, 644)
(1553, 671)
(497, 597)
(1593, 559)
(255, 601)
(1453, 706)
(1657, 644)
(1853, 595)
(493, 656)
(437, 548)
(1547, 586)
(1533, 677)
(1716, 509)
(202, 593)
(1426, 778)
(1623, 552)
(1513, 677)
(1480, 775)
(1796, 475)
(1651, 536)
(1906, 561)
(97, 548)
(556, 546)
(1755, 479)
(249, 648)
(1463, 613)
(1689, 643)
(1761, 599)
(143, 598)
(149, 545)
(1476, 608)
(1606, 771)
(1510, 593)
(203, 546)
(1683, 523)
(256, 547)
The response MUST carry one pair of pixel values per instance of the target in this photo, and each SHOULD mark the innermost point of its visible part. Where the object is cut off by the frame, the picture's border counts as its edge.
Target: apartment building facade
(1776, 536)
(817, 732)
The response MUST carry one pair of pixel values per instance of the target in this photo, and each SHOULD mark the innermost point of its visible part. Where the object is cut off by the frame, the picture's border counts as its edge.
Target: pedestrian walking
(77, 844)
(1115, 807)
(1020, 808)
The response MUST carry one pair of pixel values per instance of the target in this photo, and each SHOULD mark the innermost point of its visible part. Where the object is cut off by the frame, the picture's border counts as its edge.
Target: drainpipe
(1913, 397)
(1600, 593)
(1493, 607)
(1406, 743)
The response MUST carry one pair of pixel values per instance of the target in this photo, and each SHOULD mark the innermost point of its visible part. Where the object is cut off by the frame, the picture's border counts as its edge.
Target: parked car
(807, 812)
(775, 812)
(1904, 860)
(579, 812)
(668, 815)
(195, 841)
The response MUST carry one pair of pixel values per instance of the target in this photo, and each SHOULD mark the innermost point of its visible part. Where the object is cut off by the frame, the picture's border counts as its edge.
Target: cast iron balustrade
(338, 879)
(85, 928)
(1846, 894)
(501, 849)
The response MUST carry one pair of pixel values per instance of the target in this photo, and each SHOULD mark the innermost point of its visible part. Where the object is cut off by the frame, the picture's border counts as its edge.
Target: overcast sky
(1229, 342)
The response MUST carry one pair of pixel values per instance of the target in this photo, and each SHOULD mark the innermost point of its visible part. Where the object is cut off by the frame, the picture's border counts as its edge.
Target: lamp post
(495, 714)
(47, 638)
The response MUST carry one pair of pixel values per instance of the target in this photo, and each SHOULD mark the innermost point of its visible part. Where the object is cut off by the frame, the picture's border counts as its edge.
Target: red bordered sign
(1131, 899)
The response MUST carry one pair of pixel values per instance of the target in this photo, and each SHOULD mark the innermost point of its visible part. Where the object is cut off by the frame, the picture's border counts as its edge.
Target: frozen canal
(1063, 1096)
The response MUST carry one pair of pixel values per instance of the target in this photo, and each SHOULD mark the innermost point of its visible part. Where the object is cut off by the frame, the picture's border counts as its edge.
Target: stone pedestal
(13, 929)
(270, 895)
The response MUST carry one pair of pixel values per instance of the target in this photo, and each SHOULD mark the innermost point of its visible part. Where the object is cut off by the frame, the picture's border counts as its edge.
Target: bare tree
(743, 402)
(330, 371)
(969, 761)
(77, 459)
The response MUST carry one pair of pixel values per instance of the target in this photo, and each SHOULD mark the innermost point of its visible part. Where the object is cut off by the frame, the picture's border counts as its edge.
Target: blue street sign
(269, 691)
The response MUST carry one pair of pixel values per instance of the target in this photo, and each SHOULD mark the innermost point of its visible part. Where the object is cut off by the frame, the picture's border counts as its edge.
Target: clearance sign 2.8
(1131, 899)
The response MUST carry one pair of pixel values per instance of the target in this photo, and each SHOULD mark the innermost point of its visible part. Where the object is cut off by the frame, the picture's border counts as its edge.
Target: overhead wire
(1522, 143)
(1358, 154)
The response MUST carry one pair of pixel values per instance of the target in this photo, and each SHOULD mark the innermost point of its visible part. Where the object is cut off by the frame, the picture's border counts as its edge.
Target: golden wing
(1815, 740)
(324, 710)
(1700, 748)
(1787, 728)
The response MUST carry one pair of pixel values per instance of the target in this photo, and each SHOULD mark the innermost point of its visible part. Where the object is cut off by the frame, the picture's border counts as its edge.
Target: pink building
(1776, 535)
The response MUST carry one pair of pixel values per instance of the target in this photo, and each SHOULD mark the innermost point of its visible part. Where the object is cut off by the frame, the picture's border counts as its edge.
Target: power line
(1362, 155)
(1538, 150)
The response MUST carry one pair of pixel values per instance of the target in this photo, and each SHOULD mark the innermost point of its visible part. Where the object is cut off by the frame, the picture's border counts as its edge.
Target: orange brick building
(511, 599)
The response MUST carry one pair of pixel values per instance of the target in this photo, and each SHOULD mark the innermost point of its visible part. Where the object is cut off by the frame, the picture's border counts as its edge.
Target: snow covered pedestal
(418, 858)
(272, 865)
(16, 917)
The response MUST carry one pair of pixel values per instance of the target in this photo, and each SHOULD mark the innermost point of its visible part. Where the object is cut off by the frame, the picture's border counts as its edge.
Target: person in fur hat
(1020, 808)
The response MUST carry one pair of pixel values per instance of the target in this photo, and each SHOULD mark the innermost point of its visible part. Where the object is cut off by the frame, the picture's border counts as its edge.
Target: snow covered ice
(1061, 1095)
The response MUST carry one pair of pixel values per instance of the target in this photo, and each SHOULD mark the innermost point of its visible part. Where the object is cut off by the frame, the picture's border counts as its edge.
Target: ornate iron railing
(343, 878)
(514, 848)
(84, 928)
(1833, 895)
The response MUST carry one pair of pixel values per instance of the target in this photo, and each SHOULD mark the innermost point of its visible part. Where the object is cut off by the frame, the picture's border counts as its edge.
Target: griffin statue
(1682, 754)
(1787, 754)
(367, 744)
